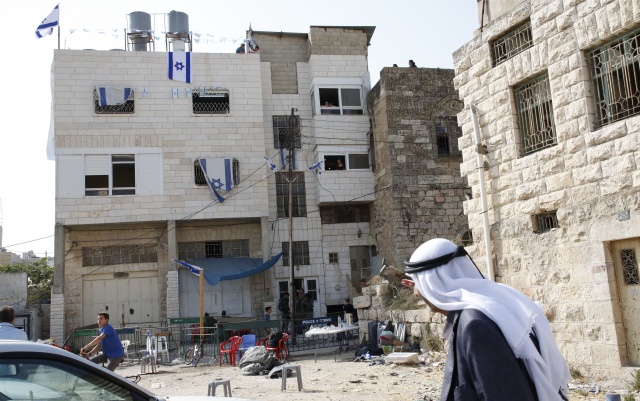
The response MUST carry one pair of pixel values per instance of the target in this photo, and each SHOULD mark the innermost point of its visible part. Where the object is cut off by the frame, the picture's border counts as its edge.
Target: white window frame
(317, 108)
(327, 151)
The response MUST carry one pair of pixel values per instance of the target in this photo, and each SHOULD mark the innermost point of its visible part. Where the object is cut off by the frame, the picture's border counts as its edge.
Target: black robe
(480, 364)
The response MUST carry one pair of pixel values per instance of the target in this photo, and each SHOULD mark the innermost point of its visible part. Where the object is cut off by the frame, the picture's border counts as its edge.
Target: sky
(427, 31)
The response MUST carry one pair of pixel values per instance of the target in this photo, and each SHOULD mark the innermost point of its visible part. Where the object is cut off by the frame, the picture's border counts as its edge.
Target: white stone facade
(166, 138)
(589, 178)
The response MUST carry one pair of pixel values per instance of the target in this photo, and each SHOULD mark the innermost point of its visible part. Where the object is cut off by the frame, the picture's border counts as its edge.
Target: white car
(31, 371)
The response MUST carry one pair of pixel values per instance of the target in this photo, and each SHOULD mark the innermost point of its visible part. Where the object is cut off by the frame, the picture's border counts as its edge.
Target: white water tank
(139, 30)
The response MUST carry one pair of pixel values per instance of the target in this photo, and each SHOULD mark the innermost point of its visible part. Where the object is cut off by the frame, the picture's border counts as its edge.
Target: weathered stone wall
(283, 51)
(419, 192)
(588, 177)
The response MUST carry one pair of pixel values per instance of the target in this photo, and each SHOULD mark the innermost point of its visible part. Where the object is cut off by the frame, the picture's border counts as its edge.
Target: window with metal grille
(300, 253)
(544, 222)
(333, 257)
(213, 249)
(629, 266)
(467, 238)
(535, 115)
(281, 127)
(210, 101)
(447, 133)
(118, 255)
(615, 73)
(128, 107)
(511, 43)
(200, 179)
(299, 194)
(344, 214)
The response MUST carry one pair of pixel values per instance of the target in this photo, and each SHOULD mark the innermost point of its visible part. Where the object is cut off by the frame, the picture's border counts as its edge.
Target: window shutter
(70, 178)
(97, 165)
(149, 174)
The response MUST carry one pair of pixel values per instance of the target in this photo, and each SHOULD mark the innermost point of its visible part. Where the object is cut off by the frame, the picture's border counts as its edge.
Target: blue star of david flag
(179, 66)
(47, 24)
(218, 173)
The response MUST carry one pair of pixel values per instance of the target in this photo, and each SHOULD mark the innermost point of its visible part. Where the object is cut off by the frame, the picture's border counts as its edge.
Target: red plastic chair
(230, 347)
(281, 351)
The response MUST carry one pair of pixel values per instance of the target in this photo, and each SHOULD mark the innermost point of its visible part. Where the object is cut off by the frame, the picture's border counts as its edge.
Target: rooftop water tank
(177, 22)
(139, 30)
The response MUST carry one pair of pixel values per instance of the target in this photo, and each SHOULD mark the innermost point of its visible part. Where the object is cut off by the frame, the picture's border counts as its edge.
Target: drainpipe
(483, 193)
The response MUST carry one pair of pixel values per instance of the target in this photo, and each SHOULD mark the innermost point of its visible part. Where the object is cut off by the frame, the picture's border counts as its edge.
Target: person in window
(107, 340)
(412, 64)
(240, 49)
(340, 165)
(500, 342)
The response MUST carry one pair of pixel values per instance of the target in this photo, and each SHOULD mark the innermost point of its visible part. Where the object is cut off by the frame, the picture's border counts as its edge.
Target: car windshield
(31, 379)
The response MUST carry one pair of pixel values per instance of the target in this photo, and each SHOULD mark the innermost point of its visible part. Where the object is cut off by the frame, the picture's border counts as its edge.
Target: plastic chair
(230, 347)
(281, 351)
(161, 346)
(125, 346)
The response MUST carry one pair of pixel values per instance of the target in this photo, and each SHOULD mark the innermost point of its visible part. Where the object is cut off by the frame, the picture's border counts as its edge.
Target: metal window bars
(281, 128)
(629, 266)
(128, 107)
(535, 115)
(206, 101)
(544, 222)
(615, 74)
(511, 43)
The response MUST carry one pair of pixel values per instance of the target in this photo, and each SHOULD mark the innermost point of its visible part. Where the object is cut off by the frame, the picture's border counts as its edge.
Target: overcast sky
(427, 31)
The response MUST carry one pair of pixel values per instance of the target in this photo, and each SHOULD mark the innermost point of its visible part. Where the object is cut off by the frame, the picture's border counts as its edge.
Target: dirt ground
(325, 379)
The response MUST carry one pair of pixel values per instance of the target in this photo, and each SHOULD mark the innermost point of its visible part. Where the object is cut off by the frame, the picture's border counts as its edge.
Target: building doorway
(625, 256)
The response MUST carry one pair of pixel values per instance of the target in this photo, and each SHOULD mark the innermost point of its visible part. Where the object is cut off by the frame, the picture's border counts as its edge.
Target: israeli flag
(317, 166)
(46, 27)
(271, 164)
(192, 268)
(218, 173)
(179, 64)
(109, 96)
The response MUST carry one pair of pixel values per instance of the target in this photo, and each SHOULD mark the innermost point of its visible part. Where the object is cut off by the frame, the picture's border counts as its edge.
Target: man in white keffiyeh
(500, 343)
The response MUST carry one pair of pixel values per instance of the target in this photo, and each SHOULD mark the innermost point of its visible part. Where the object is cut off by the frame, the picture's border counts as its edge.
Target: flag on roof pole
(52, 20)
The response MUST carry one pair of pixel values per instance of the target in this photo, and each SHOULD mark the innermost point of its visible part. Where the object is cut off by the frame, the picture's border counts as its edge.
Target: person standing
(267, 313)
(7, 330)
(412, 64)
(348, 308)
(107, 340)
(285, 310)
(501, 346)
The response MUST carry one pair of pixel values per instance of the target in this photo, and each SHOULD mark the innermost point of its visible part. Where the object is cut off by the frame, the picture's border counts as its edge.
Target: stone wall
(588, 178)
(337, 41)
(419, 191)
(283, 51)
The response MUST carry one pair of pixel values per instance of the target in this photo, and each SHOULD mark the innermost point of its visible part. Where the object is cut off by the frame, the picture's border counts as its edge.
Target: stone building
(419, 190)
(131, 193)
(555, 90)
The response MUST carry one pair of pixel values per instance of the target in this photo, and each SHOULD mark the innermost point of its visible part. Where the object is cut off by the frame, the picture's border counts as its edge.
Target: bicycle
(195, 353)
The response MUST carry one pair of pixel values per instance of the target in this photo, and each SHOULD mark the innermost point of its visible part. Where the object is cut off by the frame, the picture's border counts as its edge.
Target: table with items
(350, 333)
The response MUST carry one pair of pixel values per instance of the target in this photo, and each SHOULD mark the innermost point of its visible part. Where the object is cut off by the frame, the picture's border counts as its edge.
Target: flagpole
(201, 301)
(58, 36)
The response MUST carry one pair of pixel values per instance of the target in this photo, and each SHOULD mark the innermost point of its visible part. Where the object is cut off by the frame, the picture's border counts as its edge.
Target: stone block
(382, 289)
(377, 302)
(362, 302)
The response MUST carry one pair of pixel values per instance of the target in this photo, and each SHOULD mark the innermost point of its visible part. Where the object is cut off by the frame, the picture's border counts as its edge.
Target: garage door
(129, 298)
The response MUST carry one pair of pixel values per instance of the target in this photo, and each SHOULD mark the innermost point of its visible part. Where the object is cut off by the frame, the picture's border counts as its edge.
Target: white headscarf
(458, 285)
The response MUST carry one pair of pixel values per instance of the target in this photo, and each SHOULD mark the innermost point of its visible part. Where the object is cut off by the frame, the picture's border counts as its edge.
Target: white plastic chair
(125, 345)
(161, 346)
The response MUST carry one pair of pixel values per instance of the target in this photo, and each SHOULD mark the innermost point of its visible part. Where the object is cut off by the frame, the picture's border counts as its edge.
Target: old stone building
(419, 190)
(555, 89)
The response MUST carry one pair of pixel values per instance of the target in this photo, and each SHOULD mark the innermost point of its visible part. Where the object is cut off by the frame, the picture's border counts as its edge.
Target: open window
(347, 161)
(340, 100)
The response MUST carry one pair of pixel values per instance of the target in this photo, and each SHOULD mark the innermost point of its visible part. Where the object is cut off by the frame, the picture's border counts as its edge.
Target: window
(629, 266)
(126, 107)
(340, 101)
(300, 253)
(535, 115)
(210, 101)
(97, 177)
(213, 249)
(333, 257)
(350, 161)
(344, 214)
(467, 238)
(299, 195)
(200, 179)
(119, 255)
(615, 72)
(447, 133)
(281, 128)
(513, 42)
(544, 222)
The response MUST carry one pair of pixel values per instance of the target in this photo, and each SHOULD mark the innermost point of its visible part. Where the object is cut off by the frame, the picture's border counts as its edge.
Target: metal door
(626, 254)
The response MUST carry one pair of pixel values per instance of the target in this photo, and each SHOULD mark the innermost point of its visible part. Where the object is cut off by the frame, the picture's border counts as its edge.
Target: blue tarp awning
(221, 269)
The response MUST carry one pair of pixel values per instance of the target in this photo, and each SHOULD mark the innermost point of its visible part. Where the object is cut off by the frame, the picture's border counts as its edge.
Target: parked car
(31, 371)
